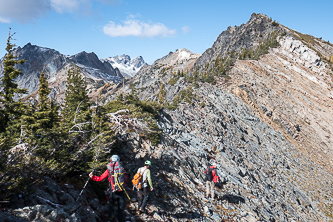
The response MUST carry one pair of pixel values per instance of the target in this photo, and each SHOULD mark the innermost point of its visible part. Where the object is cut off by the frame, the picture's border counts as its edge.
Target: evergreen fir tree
(76, 125)
(76, 109)
(11, 110)
(43, 119)
(42, 124)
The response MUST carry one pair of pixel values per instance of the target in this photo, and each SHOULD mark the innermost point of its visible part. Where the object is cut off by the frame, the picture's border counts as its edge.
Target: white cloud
(4, 20)
(61, 6)
(137, 28)
(25, 11)
(22, 10)
(186, 29)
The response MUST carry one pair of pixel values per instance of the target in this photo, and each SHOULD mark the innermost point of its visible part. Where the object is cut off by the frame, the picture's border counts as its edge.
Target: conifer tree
(43, 114)
(76, 110)
(43, 119)
(11, 110)
(75, 128)
(12, 114)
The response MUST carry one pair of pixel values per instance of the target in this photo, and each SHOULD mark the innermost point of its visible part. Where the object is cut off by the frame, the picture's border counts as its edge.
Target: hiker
(117, 180)
(143, 192)
(211, 179)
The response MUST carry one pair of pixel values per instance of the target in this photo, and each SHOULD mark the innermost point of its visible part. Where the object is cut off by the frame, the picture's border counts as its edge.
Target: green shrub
(173, 81)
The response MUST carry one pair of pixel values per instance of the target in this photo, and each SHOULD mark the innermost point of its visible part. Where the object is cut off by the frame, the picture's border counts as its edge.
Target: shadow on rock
(231, 198)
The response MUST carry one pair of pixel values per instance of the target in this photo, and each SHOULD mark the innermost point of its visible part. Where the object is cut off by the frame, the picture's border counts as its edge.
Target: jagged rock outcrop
(246, 36)
(50, 201)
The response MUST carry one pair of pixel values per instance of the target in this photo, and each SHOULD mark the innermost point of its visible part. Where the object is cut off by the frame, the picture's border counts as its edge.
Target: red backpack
(209, 174)
(116, 175)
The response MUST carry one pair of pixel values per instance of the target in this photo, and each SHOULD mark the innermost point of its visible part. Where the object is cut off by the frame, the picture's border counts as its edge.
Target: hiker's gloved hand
(151, 189)
(91, 175)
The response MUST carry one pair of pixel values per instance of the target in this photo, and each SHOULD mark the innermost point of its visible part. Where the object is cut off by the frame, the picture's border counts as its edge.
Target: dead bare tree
(123, 122)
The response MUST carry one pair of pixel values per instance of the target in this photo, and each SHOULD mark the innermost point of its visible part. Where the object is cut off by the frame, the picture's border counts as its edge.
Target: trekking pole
(96, 156)
(83, 188)
(126, 193)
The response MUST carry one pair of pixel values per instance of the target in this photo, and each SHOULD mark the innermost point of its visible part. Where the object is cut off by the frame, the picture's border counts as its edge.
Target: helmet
(148, 163)
(115, 158)
(214, 165)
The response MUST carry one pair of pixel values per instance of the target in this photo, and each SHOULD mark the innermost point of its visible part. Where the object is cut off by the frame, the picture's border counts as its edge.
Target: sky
(148, 28)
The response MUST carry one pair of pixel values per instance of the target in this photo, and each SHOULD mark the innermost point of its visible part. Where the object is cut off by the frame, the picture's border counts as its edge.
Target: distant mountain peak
(180, 59)
(127, 66)
(34, 48)
(255, 16)
(56, 66)
(259, 28)
(185, 54)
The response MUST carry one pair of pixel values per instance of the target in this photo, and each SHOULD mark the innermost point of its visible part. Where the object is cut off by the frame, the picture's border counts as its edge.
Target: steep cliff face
(290, 88)
(37, 58)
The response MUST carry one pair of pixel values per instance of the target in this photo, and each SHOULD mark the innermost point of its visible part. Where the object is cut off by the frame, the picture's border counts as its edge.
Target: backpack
(137, 180)
(209, 174)
(116, 175)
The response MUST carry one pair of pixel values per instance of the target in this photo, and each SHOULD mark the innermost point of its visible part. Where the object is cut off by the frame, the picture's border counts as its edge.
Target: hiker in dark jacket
(211, 179)
(117, 181)
(143, 193)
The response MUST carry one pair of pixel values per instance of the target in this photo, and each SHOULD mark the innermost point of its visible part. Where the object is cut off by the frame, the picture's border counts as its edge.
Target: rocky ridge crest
(287, 92)
(268, 128)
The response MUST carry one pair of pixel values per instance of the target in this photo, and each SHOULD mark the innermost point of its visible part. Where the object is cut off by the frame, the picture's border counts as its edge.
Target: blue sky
(150, 28)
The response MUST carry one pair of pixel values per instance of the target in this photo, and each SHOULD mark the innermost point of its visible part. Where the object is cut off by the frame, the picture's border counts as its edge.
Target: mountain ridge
(56, 65)
(287, 86)
(264, 117)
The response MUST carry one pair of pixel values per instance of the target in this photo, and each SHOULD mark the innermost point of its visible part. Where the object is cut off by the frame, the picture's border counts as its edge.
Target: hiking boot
(140, 211)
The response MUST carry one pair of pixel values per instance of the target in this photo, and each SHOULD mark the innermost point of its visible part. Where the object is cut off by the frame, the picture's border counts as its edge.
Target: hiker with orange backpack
(117, 179)
(140, 182)
(211, 178)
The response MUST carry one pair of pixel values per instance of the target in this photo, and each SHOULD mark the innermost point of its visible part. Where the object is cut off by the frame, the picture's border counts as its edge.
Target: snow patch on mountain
(128, 67)
(185, 54)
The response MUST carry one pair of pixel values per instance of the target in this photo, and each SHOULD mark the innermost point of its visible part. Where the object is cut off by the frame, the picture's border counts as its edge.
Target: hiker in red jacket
(117, 179)
(211, 179)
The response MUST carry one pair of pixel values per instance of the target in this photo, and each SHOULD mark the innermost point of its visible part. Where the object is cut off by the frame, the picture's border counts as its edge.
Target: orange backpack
(137, 180)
